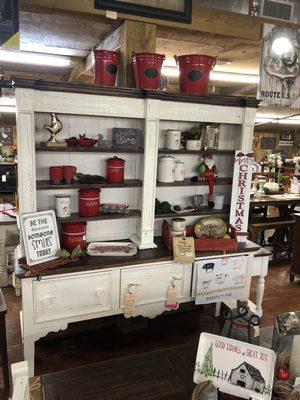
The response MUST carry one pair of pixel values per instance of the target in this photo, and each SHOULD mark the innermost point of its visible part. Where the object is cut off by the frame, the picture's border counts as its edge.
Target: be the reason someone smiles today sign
(40, 236)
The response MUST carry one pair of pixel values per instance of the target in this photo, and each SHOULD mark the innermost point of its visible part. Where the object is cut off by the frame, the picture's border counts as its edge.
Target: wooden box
(203, 244)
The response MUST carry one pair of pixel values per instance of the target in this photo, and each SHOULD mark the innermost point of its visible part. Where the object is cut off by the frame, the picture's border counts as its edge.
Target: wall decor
(237, 368)
(240, 196)
(40, 236)
(7, 136)
(219, 282)
(279, 66)
(173, 10)
(9, 24)
(267, 143)
(286, 139)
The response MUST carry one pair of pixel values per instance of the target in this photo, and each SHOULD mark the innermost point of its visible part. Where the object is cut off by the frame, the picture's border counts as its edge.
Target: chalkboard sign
(267, 143)
(40, 236)
(127, 138)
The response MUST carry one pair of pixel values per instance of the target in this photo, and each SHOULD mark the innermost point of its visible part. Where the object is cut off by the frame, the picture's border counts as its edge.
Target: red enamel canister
(147, 69)
(115, 170)
(74, 234)
(105, 67)
(89, 202)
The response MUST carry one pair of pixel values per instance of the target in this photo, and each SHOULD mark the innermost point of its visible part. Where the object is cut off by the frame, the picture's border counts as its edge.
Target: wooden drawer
(72, 295)
(153, 281)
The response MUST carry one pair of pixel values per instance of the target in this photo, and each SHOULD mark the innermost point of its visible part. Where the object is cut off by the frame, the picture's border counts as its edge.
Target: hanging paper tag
(172, 303)
(184, 249)
(129, 304)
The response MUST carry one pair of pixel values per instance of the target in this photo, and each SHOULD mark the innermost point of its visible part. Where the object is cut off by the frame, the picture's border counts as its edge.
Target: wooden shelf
(77, 149)
(187, 182)
(76, 217)
(205, 211)
(44, 185)
(197, 152)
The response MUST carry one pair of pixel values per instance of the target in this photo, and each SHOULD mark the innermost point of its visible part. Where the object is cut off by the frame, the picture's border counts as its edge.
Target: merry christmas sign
(238, 368)
(240, 197)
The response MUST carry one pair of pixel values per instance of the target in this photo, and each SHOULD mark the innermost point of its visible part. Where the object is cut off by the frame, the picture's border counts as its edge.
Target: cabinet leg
(28, 347)
(218, 309)
(292, 278)
(260, 294)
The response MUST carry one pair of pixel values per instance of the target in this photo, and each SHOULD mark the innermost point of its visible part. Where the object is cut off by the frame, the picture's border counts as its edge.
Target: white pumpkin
(272, 186)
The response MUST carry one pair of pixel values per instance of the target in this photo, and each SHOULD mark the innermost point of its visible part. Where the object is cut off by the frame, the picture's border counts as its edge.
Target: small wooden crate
(202, 244)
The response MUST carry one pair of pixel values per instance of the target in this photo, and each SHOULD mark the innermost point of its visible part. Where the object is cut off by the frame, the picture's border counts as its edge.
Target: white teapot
(294, 185)
(272, 186)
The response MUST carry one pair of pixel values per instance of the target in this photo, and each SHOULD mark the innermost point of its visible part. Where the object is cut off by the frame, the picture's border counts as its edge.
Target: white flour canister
(166, 169)
(63, 206)
(179, 171)
(173, 139)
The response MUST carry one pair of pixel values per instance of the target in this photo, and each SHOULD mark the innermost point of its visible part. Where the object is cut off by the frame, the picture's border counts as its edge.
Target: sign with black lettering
(40, 236)
(240, 195)
(279, 80)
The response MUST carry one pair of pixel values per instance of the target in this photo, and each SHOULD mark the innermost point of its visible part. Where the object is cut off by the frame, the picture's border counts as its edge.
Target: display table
(94, 287)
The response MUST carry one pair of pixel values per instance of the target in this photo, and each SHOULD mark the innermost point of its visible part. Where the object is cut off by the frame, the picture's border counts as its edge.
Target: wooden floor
(112, 337)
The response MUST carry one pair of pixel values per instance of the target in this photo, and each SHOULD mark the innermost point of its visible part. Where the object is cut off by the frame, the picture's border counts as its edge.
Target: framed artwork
(7, 136)
(40, 236)
(9, 19)
(267, 143)
(173, 10)
(237, 368)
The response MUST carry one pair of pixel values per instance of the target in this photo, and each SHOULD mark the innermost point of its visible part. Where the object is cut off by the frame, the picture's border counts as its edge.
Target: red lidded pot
(74, 234)
(115, 170)
(89, 202)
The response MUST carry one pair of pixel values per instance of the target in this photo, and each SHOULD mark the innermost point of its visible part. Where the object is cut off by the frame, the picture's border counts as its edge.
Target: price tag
(184, 249)
(172, 302)
(3, 178)
(129, 303)
(111, 14)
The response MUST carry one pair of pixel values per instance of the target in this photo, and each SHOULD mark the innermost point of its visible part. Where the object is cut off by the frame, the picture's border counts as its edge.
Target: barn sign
(279, 81)
(40, 236)
(234, 367)
(240, 196)
(222, 279)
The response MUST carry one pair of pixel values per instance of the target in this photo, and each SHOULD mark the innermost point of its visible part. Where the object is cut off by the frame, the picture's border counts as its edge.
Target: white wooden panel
(69, 296)
(199, 112)
(87, 104)
(154, 281)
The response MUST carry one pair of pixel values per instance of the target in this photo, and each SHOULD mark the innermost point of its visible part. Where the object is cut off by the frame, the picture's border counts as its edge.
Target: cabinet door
(153, 281)
(72, 295)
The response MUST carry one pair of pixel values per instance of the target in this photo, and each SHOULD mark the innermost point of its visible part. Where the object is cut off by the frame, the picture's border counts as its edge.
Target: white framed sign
(238, 368)
(240, 195)
(40, 236)
(222, 279)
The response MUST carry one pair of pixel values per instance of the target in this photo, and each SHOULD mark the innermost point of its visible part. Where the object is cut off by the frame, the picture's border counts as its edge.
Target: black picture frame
(9, 19)
(184, 16)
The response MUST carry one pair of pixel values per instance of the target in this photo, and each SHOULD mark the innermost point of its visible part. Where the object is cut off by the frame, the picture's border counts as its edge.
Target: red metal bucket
(105, 67)
(194, 72)
(147, 69)
(89, 202)
(74, 234)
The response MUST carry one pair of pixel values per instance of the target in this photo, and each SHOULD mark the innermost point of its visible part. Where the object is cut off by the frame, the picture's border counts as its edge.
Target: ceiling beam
(204, 19)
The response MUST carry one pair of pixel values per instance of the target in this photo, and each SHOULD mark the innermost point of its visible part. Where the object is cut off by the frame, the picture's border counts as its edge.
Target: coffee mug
(56, 175)
(69, 173)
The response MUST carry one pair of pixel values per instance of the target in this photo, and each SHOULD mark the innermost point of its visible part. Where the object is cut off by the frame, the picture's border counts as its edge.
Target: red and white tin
(74, 234)
(115, 170)
(89, 202)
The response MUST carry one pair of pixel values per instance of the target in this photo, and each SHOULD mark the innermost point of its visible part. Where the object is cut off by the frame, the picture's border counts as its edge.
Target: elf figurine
(208, 172)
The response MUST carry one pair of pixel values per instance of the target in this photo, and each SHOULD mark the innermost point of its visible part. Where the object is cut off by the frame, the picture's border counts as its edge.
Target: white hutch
(95, 288)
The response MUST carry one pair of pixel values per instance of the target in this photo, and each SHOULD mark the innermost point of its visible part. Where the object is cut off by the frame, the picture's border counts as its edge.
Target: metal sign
(222, 279)
(40, 236)
(279, 82)
(240, 195)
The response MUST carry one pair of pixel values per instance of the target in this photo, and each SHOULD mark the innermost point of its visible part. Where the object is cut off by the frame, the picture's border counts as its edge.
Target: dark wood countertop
(159, 254)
